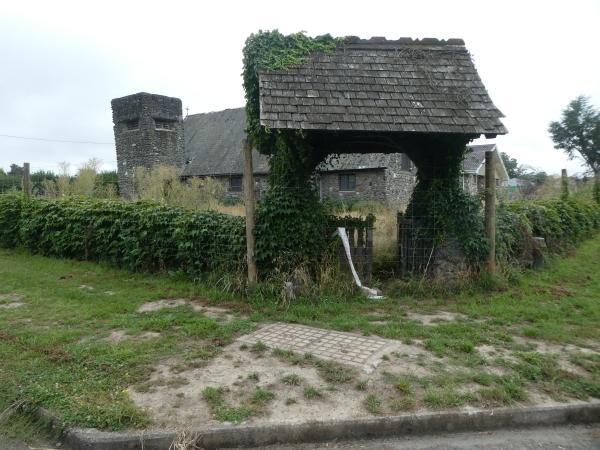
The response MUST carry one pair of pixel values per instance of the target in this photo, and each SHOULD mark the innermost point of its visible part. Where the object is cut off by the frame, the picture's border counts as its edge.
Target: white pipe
(371, 293)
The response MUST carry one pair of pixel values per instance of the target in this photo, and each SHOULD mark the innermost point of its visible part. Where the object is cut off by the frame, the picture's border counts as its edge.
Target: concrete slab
(364, 352)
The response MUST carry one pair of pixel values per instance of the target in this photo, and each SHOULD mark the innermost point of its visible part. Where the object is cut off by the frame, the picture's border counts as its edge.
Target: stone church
(150, 130)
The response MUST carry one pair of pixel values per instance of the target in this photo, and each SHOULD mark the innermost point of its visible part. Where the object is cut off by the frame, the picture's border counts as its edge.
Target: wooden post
(490, 209)
(26, 181)
(369, 256)
(564, 183)
(249, 202)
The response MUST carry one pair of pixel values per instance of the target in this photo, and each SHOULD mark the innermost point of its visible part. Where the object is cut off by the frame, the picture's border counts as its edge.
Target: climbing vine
(439, 206)
(291, 221)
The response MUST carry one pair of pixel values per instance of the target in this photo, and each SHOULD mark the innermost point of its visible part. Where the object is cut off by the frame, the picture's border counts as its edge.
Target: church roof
(405, 85)
(213, 144)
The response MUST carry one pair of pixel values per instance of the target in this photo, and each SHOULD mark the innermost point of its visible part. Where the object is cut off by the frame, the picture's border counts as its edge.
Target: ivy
(138, 236)
(439, 206)
(291, 221)
(562, 224)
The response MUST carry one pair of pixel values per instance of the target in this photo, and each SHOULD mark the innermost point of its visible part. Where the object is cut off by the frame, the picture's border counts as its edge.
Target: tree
(512, 166)
(578, 134)
(15, 170)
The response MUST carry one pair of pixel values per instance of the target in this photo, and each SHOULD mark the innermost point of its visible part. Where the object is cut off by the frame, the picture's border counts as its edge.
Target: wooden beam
(490, 209)
(250, 203)
(26, 181)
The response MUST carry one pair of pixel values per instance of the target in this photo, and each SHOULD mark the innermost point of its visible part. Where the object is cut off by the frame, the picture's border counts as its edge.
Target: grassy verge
(56, 348)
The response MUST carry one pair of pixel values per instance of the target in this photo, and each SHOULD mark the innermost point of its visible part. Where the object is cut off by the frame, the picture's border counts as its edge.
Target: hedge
(562, 224)
(137, 236)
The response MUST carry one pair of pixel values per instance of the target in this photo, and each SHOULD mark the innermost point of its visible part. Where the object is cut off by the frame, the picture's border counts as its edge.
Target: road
(580, 437)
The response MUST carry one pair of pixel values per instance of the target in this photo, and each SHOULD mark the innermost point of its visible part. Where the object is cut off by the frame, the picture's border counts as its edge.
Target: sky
(63, 61)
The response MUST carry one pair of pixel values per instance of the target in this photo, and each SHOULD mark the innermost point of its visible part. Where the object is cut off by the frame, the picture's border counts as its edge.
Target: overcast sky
(63, 61)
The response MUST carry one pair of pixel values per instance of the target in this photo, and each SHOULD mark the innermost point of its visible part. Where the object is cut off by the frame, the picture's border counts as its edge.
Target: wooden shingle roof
(405, 85)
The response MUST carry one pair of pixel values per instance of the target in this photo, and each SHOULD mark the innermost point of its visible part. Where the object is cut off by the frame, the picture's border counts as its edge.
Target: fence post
(26, 181)
(369, 256)
(564, 181)
(490, 209)
(249, 202)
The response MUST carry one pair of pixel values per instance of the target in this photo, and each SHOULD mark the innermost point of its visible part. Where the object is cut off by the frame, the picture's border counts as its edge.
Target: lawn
(72, 339)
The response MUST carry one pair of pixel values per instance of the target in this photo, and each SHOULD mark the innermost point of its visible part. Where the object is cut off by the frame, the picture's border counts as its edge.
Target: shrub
(10, 211)
(136, 236)
(562, 224)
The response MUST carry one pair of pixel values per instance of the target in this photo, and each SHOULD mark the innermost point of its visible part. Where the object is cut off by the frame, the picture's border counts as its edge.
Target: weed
(254, 377)
(407, 403)
(260, 397)
(361, 385)
(403, 385)
(290, 401)
(439, 398)
(258, 348)
(333, 372)
(372, 404)
(291, 379)
(312, 393)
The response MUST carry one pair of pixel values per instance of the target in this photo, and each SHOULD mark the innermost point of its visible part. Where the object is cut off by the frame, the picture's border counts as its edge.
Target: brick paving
(346, 348)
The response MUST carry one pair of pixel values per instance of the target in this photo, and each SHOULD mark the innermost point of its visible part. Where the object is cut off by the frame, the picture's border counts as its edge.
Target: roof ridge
(215, 112)
(381, 40)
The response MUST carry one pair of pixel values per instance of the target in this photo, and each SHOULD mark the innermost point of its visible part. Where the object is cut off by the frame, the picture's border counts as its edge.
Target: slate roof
(406, 85)
(475, 159)
(213, 144)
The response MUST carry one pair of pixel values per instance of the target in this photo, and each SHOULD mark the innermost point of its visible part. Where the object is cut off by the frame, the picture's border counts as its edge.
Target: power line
(64, 141)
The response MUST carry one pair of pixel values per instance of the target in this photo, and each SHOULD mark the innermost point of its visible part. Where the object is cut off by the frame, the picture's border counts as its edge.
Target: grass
(55, 354)
(372, 404)
(224, 411)
(312, 393)
(291, 379)
(53, 350)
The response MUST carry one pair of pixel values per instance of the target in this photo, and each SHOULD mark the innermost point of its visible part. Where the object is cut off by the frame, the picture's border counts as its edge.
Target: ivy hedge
(562, 223)
(137, 236)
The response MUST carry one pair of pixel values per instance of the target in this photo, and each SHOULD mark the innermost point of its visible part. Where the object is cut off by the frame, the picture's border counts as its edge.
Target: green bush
(137, 236)
(10, 212)
(562, 224)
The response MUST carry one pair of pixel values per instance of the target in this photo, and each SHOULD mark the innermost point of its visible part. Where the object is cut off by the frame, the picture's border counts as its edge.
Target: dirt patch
(438, 317)
(214, 312)
(301, 392)
(121, 335)
(11, 301)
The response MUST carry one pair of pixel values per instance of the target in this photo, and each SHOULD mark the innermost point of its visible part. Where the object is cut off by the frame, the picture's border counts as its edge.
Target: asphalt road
(580, 437)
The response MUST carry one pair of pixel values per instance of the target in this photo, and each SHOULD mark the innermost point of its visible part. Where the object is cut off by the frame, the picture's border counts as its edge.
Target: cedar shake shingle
(407, 85)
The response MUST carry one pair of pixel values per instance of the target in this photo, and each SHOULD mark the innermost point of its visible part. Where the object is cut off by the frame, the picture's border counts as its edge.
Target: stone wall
(370, 186)
(260, 186)
(148, 131)
(400, 177)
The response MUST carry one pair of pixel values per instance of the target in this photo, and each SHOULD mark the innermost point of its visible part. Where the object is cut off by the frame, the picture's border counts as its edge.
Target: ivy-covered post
(26, 181)
(249, 202)
(291, 221)
(490, 209)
